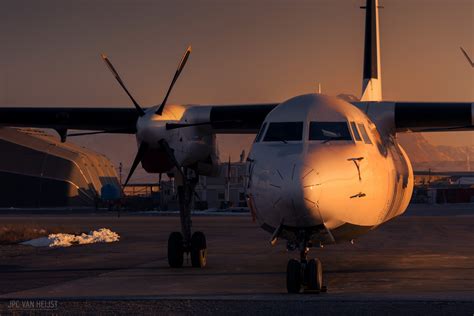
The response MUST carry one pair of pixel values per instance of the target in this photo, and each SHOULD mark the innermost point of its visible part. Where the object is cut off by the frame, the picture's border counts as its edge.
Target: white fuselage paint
(308, 183)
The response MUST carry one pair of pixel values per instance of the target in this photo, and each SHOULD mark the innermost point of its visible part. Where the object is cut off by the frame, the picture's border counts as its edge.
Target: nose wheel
(306, 276)
(293, 276)
(175, 250)
(314, 275)
(303, 274)
(198, 250)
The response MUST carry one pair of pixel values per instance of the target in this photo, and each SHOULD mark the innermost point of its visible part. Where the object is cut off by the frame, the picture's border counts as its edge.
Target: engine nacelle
(193, 147)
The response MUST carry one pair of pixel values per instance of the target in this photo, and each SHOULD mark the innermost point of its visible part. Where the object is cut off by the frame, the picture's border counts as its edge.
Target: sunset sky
(243, 52)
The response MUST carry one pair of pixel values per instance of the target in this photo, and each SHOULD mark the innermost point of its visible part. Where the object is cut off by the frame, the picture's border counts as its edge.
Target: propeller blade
(181, 65)
(170, 153)
(116, 75)
(467, 57)
(141, 152)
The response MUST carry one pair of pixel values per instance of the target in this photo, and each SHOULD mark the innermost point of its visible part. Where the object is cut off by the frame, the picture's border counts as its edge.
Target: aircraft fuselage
(331, 172)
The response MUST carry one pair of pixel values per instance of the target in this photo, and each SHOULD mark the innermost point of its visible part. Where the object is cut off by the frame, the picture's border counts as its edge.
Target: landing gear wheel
(293, 276)
(314, 272)
(198, 250)
(175, 250)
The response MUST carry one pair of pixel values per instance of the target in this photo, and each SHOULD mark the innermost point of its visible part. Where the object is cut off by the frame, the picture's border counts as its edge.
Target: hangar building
(38, 171)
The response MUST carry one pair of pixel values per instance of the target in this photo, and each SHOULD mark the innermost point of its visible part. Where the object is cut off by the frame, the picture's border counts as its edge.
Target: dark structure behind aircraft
(37, 170)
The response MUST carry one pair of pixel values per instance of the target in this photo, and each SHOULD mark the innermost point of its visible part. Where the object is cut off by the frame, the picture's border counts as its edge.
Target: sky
(244, 51)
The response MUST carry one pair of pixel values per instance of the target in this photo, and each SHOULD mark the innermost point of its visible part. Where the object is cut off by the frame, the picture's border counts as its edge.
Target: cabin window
(260, 133)
(355, 131)
(284, 131)
(365, 136)
(329, 131)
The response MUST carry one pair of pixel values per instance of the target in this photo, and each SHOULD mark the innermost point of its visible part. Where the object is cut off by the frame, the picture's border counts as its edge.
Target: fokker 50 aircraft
(321, 170)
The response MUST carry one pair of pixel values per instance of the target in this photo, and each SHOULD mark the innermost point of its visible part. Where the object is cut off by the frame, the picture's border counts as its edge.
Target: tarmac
(421, 263)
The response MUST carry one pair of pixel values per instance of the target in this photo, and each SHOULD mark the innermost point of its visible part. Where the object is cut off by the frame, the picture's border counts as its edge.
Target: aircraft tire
(175, 250)
(198, 250)
(293, 276)
(314, 270)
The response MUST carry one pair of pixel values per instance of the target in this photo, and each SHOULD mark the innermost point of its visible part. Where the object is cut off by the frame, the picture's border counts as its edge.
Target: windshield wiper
(278, 138)
(333, 138)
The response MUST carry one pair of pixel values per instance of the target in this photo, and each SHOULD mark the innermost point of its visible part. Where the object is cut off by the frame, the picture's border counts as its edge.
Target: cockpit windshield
(260, 133)
(328, 131)
(284, 131)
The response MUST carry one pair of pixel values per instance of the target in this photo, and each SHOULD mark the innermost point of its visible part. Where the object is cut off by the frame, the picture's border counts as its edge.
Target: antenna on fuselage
(372, 75)
(319, 88)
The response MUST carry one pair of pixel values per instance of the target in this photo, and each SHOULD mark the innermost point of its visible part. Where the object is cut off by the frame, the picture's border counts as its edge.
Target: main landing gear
(303, 274)
(181, 243)
(177, 247)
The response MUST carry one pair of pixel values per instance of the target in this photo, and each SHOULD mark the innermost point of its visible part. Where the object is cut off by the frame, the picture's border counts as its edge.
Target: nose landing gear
(303, 274)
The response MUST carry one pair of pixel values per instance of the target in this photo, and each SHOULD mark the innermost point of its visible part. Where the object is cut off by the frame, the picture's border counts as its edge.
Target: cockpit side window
(355, 131)
(329, 131)
(284, 131)
(363, 131)
(260, 133)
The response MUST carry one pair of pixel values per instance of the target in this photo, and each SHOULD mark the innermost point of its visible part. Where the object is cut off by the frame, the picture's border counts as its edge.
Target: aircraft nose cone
(296, 193)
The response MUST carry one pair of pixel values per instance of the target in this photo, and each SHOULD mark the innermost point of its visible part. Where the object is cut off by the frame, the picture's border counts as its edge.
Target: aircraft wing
(398, 116)
(121, 120)
(420, 116)
(242, 118)
(234, 119)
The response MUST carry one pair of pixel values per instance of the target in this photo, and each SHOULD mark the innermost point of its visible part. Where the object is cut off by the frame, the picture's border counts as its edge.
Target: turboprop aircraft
(321, 170)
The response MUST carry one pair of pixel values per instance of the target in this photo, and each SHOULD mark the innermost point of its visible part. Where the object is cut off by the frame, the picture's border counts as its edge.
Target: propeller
(116, 75)
(141, 152)
(170, 153)
(181, 65)
(467, 57)
(144, 146)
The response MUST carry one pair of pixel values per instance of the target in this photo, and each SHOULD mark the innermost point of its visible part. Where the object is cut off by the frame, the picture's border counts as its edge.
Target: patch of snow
(66, 240)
